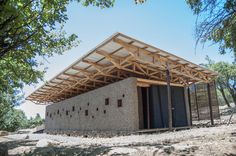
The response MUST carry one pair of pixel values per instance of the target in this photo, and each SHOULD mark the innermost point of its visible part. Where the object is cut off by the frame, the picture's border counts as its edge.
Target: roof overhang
(117, 58)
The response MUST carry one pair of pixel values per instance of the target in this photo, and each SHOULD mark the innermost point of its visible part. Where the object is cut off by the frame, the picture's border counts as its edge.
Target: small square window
(107, 101)
(58, 111)
(119, 102)
(73, 108)
(80, 108)
(88, 104)
(97, 109)
(86, 112)
(67, 112)
(104, 111)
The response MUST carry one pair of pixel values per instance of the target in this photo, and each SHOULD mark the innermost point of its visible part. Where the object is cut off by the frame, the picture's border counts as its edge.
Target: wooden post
(148, 109)
(169, 97)
(187, 105)
(210, 103)
(195, 95)
(190, 107)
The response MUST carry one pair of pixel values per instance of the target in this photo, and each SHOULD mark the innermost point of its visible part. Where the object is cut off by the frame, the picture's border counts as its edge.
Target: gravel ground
(217, 140)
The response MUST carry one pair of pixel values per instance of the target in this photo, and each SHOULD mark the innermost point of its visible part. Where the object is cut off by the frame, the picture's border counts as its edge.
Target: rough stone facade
(109, 108)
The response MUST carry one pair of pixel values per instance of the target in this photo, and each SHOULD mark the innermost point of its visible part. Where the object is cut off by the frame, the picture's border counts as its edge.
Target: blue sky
(166, 24)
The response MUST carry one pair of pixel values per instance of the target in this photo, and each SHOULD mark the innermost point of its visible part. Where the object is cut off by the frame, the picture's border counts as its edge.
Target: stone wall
(112, 107)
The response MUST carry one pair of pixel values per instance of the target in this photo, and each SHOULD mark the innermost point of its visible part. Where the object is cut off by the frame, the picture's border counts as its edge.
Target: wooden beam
(160, 59)
(139, 62)
(146, 81)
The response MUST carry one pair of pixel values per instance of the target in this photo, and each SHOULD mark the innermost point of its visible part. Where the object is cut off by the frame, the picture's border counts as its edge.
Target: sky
(166, 24)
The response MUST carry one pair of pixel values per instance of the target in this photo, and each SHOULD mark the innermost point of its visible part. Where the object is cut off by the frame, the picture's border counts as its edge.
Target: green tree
(216, 22)
(29, 30)
(37, 121)
(226, 81)
(13, 119)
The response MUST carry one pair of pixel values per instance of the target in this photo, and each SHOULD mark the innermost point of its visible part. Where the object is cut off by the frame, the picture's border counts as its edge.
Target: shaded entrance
(153, 107)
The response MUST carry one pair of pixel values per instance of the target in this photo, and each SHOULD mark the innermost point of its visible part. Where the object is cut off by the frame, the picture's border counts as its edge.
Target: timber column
(169, 96)
(210, 103)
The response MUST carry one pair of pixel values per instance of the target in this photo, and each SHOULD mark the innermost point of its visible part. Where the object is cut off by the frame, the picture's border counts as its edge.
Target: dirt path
(220, 140)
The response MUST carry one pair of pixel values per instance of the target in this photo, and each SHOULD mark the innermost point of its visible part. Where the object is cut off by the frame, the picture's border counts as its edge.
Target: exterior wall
(61, 116)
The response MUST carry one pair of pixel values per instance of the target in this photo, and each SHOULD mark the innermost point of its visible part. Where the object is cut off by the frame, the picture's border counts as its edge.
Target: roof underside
(115, 59)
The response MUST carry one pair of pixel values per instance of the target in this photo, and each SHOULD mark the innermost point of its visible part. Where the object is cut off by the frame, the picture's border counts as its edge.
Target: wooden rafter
(129, 58)
(182, 70)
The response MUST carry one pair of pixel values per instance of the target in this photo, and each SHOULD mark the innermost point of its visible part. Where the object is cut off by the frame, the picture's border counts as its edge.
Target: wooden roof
(117, 58)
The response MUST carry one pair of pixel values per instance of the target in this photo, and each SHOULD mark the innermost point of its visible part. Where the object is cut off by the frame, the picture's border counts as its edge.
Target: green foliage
(216, 22)
(15, 119)
(29, 30)
(33, 122)
(226, 81)
(98, 3)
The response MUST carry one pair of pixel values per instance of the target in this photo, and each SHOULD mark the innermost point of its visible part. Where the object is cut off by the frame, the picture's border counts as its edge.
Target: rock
(3, 150)
(46, 143)
(27, 137)
(122, 151)
(168, 149)
(3, 133)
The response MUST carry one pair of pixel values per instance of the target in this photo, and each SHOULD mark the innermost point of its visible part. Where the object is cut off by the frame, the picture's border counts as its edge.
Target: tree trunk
(224, 97)
(234, 99)
(233, 94)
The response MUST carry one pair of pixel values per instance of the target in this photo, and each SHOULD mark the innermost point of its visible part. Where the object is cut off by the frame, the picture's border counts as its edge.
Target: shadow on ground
(19, 143)
(68, 151)
(53, 150)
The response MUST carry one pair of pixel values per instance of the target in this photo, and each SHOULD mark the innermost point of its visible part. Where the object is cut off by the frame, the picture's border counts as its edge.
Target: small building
(127, 85)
